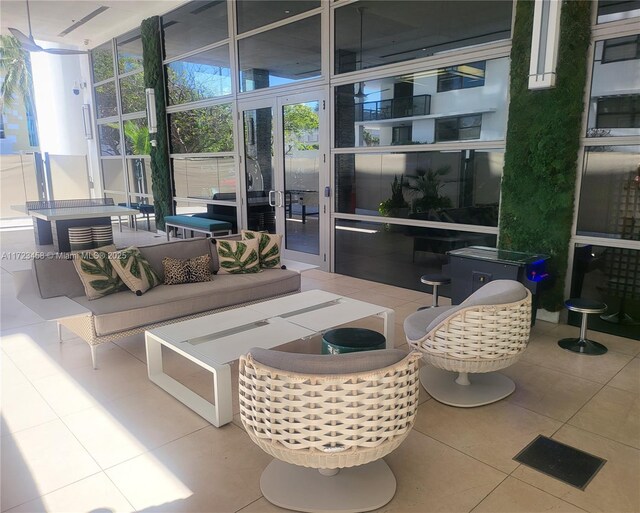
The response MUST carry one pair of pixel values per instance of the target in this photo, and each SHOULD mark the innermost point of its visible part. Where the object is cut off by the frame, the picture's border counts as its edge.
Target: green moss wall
(153, 77)
(542, 144)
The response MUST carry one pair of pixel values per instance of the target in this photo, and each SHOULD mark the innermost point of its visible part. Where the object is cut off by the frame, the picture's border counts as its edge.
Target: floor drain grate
(568, 464)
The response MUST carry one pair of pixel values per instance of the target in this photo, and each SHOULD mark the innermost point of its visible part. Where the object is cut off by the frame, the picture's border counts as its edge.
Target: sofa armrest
(49, 309)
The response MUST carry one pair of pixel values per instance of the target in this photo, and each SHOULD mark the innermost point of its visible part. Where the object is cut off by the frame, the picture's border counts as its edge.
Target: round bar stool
(435, 280)
(583, 344)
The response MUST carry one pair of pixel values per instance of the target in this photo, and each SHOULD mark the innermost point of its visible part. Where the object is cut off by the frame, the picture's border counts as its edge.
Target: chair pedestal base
(485, 388)
(361, 488)
(584, 346)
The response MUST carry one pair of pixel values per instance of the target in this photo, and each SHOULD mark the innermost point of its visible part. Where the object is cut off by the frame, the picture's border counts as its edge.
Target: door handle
(272, 198)
(281, 195)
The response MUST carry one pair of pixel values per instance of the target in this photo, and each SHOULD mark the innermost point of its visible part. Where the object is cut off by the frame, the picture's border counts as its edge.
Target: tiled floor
(79, 440)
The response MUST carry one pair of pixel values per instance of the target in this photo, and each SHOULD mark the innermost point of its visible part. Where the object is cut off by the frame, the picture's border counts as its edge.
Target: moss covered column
(543, 137)
(153, 78)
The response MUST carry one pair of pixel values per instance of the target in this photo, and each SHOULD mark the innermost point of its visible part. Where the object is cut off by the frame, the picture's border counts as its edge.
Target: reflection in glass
(452, 187)
(280, 56)
(204, 177)
(259, 164)
(139, 175)
(102, 62)
(106, 104)
(610, 193)
(417, 108)
(129, 48)
(187, 207)
(109, 137)
(301, 175)
(132, 93)
(252, 14)
(113, 176)
(198, 77)
(612, 276)
(614, 109)
(136, 137)
(613, 10)
(371, 33)
(397, 254)
(193, 26)
(206, 130)
(119, 198)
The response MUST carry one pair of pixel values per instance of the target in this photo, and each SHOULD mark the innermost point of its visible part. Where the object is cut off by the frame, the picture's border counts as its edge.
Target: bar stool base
(585, 346)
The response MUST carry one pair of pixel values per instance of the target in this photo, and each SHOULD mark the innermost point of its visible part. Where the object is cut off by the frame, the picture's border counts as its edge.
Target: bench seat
(198, 224)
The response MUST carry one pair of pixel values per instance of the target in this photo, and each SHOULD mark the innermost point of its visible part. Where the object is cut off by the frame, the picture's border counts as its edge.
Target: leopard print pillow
(190, 270)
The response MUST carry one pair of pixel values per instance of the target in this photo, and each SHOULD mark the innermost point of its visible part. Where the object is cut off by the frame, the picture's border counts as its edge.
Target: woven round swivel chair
(328, 413)
(487, 332)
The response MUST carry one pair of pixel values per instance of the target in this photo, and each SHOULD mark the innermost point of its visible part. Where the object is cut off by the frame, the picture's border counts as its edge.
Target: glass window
(132, 93)
(459, 128)
(462, 76)
(136, 137)
(614, 108)
(453, 186)
(281, 56)
(376, 112)
(109, 136)
(205, 178)
(613, 10)
(118, 198)
(188, 207)
(397, 254)
(258, 13)
(139, 175)
(106, 103)
(129, 52)
(371, 33)
(610, 193)
(113, 175)
(200, 76)
(193, 26)
(621, 49)
(102, 62)
(206, 130)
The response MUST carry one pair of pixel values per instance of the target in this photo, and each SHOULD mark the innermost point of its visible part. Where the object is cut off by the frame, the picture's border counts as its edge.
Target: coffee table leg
(219, 413)
(388, 316)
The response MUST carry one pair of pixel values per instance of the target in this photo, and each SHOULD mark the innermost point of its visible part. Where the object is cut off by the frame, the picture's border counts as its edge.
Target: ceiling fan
(29, 44)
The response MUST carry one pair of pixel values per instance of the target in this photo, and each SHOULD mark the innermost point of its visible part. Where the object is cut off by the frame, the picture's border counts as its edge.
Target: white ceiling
(50, 17)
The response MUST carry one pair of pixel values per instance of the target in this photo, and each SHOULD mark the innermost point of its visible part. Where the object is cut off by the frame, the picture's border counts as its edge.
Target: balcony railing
(404, 107)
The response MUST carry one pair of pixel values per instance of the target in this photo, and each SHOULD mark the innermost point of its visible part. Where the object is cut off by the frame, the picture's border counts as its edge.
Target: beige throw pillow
(96, 272)
(238, 256)
(268, 247)
(134, 270)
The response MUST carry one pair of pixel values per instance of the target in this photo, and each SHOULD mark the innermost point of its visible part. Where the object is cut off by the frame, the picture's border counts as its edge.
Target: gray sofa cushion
(497, 292)
(57, 277)
(349, 363)
(124, 310)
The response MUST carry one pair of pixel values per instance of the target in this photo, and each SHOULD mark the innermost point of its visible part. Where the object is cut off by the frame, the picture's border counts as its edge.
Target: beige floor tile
(377, 299)
(614, 489)
(262, 505)
(22, 408)
(548, 391)
(132, 425)
(543, 350)
(493, 434)
(355, 283)
(435, 478)
(403, 311)
(95, 494)
(628, 378)
(514, 496)
(316, 274)
(39, 460)
(613, 342)
(134, 345)
(14, 314)
(612, 413)
(212, 470)
(402, 293)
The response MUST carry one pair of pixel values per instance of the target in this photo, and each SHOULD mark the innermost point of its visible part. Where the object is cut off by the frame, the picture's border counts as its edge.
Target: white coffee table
(213, 341)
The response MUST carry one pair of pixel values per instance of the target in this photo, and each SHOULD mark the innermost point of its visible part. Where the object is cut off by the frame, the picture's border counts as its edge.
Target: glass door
(285, 173)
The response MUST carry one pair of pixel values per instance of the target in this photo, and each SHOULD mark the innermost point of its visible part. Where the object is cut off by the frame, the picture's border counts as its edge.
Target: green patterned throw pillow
(268, 247)
(96, 272)
(238, 256)
(134, 270)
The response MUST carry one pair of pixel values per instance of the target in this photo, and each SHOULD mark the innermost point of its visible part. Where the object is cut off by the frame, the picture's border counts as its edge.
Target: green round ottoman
(349, 340)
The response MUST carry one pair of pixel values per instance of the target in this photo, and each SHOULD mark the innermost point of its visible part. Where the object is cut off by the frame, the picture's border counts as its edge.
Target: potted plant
(426, 185)
(396, 205)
